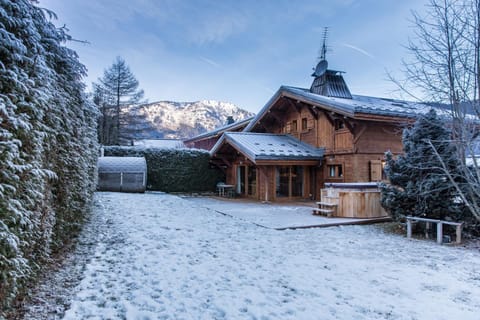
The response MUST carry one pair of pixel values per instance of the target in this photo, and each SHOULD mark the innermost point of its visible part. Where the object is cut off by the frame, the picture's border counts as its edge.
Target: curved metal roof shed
(123, 174)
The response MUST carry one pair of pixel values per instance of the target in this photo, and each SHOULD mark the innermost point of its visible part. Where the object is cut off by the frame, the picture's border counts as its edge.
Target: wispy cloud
(210, 62)
(371, 56)
(216, 27)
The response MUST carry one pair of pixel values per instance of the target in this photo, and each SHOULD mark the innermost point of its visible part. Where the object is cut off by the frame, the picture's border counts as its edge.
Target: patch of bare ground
(50, 296)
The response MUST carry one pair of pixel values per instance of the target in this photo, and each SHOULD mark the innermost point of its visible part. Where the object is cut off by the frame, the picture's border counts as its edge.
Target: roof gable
(265, 146)
(217, 132)
(362, 107)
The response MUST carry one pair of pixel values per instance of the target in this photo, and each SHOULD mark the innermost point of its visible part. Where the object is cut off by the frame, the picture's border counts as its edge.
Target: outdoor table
(224, 188)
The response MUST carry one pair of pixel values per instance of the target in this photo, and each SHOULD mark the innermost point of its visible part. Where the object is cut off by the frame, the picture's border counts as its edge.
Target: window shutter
(375, 170)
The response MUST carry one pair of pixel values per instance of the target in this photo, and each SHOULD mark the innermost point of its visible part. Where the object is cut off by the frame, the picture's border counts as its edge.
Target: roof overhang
(255, 147)
(326, 104)
(219, 131)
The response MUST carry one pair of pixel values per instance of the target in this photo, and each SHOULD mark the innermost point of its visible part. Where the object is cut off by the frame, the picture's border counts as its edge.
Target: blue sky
(239, 51)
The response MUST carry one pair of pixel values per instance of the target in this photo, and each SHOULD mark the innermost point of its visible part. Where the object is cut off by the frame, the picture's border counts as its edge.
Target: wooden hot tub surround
(354, 200)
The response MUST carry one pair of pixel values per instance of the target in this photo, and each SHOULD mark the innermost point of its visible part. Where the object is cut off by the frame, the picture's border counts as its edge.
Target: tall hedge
(47, 144)
(174, 170)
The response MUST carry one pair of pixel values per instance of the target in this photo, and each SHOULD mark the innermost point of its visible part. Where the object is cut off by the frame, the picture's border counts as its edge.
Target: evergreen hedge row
(174, 170)
(48, 145)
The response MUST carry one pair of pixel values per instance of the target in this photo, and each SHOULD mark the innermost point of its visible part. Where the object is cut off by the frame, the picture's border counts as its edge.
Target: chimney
(230, 120)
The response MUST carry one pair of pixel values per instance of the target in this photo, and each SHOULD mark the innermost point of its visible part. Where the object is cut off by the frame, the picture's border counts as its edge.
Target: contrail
(210, 62)
(358, 49)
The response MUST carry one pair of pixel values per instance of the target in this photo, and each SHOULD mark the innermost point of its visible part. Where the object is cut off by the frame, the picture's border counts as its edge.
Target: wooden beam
(360, 132)
(221, 158)
(329, 117)
(218, 164)
(287, 162)
(225, 161)
(294, 105)
(372, 117)
(311, 109)
(349, 125)
(262, 171)
(276, 117)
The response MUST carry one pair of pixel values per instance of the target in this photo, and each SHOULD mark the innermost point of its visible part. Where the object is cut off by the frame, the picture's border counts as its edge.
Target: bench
(325, 208)
(440, 223)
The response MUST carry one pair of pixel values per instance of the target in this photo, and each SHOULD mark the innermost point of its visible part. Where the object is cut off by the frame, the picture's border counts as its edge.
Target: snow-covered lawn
(159, 256)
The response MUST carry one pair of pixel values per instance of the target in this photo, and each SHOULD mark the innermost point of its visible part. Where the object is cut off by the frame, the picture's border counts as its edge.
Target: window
(335, 171)
(294, 126)
(331, 170)
(304, 124)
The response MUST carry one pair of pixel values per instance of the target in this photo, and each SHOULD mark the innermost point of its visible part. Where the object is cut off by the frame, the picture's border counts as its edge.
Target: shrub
(174, 170)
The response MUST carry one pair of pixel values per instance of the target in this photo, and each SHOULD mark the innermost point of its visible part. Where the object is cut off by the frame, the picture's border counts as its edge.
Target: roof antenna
(322, 65)
(323, 52)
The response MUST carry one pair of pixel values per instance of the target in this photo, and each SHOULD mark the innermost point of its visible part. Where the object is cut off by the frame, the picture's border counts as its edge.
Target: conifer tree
(114, 92)
(418, 183)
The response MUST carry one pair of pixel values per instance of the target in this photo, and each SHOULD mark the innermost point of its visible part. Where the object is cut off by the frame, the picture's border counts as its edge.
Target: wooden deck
(278, 216)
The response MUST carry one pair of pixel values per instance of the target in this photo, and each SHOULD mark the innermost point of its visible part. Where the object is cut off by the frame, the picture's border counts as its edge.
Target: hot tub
(354, 200)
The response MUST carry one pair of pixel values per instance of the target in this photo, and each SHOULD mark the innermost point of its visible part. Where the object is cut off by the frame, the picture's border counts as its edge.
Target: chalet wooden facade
(347, 136)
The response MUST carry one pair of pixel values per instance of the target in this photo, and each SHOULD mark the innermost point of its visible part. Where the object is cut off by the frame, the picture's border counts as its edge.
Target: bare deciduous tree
(444, 66)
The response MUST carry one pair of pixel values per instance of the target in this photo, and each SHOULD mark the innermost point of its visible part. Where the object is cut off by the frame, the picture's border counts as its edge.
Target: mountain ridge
(180, 120)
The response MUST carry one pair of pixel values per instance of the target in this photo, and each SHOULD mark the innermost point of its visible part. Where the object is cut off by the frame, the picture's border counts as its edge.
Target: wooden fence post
(439, 232)
(458, 238)
(409, 228)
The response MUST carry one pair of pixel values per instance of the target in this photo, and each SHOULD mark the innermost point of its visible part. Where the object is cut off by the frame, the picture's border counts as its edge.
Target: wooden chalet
(304, 138)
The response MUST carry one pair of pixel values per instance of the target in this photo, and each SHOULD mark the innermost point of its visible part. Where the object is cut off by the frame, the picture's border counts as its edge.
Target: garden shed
(123, 174)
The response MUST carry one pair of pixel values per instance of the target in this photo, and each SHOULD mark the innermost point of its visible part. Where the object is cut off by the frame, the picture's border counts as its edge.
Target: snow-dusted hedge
(47, 144)
(174, 170)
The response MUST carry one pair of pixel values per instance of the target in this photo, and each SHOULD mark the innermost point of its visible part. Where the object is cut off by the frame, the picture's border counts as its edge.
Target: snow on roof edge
(218, 130)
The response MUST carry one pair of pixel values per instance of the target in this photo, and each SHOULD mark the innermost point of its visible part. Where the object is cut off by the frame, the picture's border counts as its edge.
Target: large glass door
(282, 182)
(247, 180)
(241, 179)
(289, 181)
(296, 175)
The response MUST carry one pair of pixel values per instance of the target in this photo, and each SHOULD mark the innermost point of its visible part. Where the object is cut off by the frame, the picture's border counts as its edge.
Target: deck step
(327, 204)
(325, 212)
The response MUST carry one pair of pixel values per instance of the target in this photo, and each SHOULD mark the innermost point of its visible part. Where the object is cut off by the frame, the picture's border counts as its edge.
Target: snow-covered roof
(350, 107)
(269, 146)
(160, 143)
(122, 164)
(219, 131)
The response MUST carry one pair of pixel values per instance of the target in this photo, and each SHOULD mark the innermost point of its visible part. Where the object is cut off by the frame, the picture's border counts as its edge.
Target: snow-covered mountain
(177, 120)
